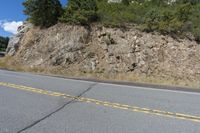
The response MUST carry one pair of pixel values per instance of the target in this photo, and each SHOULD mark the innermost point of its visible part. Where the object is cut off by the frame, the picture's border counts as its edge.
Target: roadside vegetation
(11, 63)
(3, 43)
(165, 16)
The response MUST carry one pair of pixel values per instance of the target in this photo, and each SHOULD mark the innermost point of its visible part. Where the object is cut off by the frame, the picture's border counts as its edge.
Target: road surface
(41, 104)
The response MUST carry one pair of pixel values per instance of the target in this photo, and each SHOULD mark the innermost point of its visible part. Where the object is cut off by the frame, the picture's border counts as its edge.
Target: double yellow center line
(105, 103)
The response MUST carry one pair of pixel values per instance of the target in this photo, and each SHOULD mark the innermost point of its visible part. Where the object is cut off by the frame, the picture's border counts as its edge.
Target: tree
(3, 43)
(43, 13)
(80, 12)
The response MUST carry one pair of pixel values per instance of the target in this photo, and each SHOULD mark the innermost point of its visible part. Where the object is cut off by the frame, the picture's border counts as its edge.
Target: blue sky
(11, 16)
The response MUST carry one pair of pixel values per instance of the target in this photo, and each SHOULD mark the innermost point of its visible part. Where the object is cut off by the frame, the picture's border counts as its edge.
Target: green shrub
(81, 12)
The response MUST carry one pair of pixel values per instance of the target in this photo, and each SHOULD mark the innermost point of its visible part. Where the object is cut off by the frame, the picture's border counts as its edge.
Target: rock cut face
(108, 50)
(14, 41)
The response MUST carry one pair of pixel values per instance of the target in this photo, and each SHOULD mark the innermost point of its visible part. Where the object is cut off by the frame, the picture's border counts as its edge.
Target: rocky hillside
(107, 50)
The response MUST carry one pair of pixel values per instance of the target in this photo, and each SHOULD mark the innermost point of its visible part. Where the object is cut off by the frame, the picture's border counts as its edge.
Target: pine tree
(43, 13)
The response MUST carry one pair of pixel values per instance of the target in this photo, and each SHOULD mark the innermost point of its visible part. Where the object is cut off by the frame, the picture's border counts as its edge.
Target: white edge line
(128, 86)
(137, 87)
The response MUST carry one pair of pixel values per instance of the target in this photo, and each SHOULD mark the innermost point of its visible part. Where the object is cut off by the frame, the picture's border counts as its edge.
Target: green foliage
(183, 12)
(115, 14)
(170, 19)
(175, 18)
(152, 19)
(81, 12)
(193, 2)
(3, 43)
(126, 2)
(195, 19)
(155, 15)
(43, 13)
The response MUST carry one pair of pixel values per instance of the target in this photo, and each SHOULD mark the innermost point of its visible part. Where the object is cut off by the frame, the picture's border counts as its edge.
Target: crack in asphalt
(57, 110)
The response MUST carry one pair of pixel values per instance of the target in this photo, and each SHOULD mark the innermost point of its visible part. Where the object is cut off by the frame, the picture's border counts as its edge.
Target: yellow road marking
(105, 103)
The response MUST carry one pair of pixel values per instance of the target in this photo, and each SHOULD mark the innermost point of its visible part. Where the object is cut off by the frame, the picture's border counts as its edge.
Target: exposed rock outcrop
(15, 40)
(110, 50)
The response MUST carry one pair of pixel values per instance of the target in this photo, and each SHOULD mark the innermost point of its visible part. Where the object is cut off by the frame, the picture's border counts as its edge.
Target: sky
(11, 16)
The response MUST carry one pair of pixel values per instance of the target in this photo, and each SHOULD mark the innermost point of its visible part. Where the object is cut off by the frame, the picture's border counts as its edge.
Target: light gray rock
(13, 44)
(14, 41)
(25, 27)
(109, 50)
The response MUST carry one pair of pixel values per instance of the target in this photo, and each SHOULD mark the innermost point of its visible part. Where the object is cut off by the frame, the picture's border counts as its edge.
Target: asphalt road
(41, 104)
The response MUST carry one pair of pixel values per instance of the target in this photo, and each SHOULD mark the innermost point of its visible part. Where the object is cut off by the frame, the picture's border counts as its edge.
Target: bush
(171, 19)
(115, 14)
(81, 12)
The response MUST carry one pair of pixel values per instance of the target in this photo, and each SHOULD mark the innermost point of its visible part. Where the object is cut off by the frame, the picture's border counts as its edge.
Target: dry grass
(156, 80)
(11, 64)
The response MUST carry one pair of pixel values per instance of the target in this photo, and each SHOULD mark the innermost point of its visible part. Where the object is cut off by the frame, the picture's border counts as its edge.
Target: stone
(14, 41)
(13, 44)
(110, 50)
